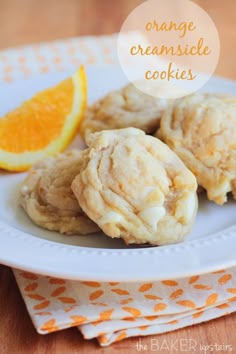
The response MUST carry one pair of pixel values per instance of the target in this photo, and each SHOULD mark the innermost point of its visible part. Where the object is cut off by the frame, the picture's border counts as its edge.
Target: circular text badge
(168, 48)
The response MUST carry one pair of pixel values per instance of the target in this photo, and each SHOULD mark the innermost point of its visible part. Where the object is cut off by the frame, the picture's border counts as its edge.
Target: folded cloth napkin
(114, 311)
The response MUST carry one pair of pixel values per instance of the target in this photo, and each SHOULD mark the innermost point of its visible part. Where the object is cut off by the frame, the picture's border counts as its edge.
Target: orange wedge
(43, 125)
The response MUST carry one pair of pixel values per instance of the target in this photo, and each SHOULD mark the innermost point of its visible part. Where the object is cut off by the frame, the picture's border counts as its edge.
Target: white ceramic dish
(210, 246)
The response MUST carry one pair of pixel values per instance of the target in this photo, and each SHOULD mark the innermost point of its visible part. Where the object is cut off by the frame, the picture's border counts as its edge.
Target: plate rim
(194, 247)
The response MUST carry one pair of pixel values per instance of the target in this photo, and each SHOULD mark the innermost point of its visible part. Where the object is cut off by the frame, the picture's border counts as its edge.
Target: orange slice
(43, 125)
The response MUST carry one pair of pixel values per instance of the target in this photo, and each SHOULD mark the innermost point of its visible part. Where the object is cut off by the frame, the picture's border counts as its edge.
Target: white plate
(210, 246)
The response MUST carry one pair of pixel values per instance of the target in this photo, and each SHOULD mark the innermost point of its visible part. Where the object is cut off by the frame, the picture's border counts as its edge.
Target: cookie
(127, 107)
(47, 197)
(201, 129)
(135, 188)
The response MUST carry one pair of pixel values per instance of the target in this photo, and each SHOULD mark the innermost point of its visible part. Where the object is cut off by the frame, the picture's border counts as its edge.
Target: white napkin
(114, 311)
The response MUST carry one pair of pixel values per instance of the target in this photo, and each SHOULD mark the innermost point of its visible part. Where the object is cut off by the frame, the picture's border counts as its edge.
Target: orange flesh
(25, 129)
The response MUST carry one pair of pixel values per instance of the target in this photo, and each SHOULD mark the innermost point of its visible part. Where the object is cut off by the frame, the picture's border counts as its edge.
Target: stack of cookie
(199, 128)
(131, 185)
